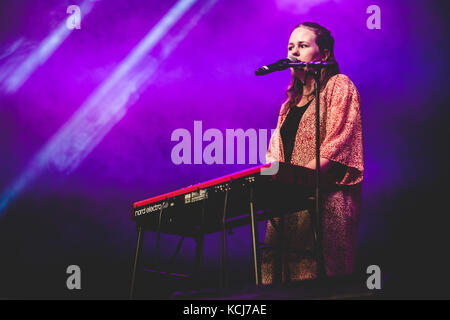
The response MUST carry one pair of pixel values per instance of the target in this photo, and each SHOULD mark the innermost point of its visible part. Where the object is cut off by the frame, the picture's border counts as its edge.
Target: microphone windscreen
(292, 58)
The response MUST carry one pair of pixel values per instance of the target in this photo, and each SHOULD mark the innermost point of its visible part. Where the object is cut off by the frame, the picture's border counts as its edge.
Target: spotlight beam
(42, 53)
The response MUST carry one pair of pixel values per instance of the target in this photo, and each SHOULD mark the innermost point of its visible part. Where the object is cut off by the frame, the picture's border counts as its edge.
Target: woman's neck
(308, 85)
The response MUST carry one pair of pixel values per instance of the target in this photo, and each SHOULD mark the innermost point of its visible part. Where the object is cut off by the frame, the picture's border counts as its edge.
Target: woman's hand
(331, 171)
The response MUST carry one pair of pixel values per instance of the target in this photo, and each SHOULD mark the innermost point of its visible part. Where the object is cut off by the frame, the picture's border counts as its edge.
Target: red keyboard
(274, 187)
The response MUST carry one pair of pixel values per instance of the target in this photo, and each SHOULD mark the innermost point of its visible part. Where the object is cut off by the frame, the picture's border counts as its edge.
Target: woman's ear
(325, 54)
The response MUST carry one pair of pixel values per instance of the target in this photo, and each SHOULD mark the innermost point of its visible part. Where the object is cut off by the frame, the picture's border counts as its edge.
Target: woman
(341, 158)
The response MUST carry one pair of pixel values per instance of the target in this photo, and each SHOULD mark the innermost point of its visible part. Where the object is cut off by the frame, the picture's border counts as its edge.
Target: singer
(341, 160)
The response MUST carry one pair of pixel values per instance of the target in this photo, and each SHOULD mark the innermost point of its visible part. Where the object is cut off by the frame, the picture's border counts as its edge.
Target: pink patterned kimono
(341, 141)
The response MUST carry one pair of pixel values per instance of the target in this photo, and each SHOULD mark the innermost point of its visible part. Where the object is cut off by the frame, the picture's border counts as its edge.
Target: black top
(289, 129)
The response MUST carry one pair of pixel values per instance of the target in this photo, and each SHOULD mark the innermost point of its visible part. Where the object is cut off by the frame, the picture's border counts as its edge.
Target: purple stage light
(299, 7)
(40, 55)
(109, 103)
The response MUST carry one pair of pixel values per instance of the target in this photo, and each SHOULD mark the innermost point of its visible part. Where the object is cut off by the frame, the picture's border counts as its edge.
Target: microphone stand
(317, 217)
(316, 223)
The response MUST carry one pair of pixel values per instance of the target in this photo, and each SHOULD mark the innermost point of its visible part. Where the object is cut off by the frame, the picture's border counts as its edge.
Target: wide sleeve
(270, 157)
(343, 140)
(274, 152)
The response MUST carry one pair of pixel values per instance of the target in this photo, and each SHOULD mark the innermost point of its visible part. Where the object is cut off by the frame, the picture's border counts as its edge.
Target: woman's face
(303, 46)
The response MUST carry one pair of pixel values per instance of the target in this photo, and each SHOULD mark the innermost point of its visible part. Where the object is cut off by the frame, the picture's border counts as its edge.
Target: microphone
(277, 66)
(292, 62)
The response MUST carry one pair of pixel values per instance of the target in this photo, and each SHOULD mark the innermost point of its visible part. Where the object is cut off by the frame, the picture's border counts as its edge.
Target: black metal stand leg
(140, 239)
(255, 245)
(223, 247)
(198, 259)
(158, 235)
(199, 240)
(318, 249)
